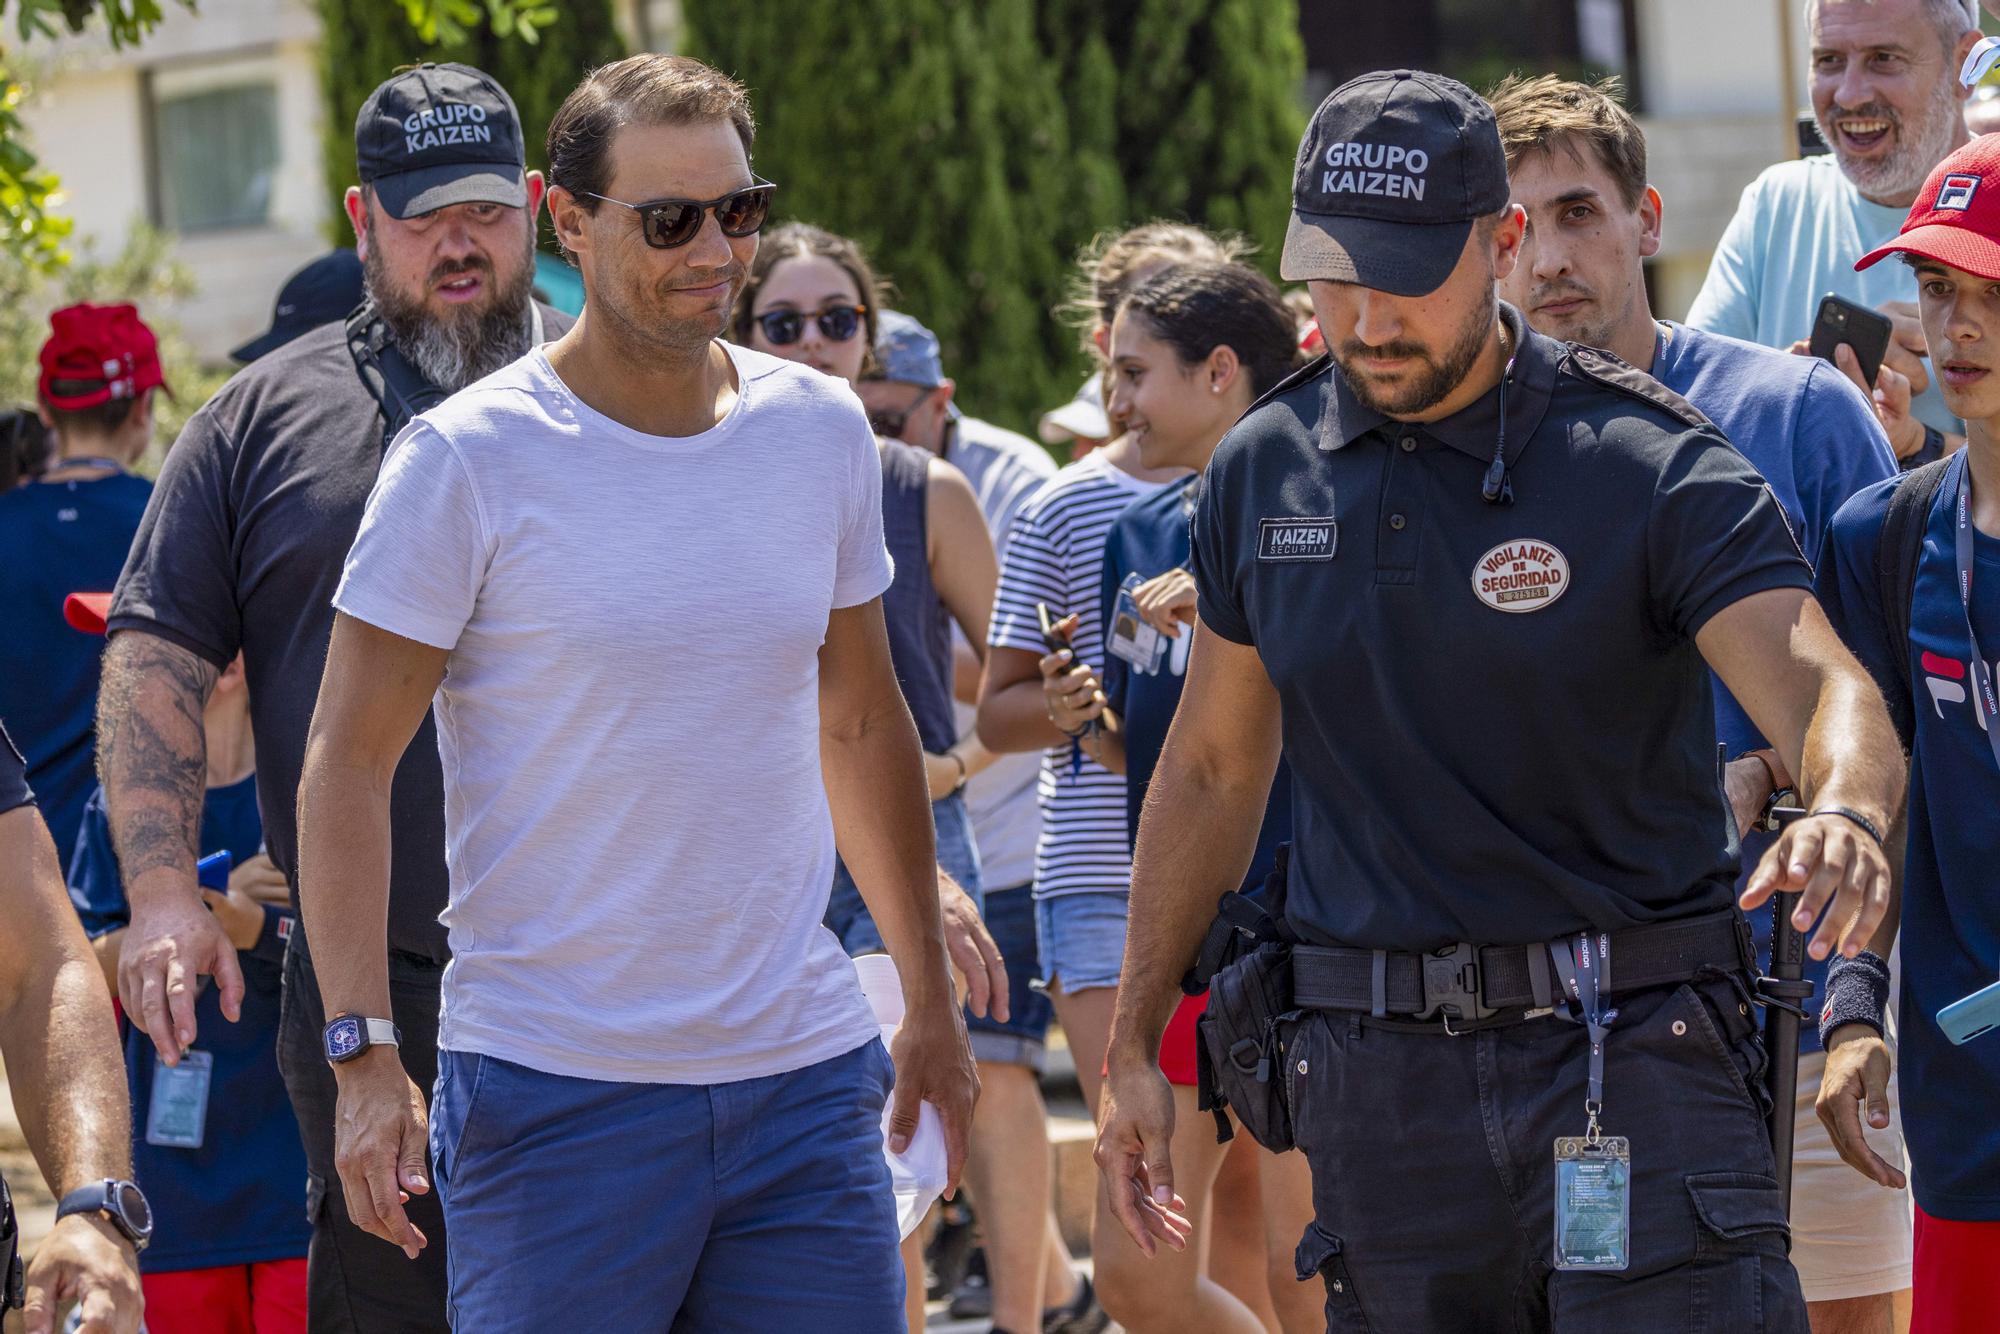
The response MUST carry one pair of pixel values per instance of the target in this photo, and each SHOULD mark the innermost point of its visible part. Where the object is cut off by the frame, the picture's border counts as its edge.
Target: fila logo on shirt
(1946, 679)
(1526, 574)
(1955, 195)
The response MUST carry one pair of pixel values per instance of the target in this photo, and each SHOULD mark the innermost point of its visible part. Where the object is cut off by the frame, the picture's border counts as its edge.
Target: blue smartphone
(1967, 1018)
(212, 871)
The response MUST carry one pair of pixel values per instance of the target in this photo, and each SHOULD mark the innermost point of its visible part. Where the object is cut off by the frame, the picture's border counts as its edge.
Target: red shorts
(1177, 1047)
(266, 1298)
(1955, 1277)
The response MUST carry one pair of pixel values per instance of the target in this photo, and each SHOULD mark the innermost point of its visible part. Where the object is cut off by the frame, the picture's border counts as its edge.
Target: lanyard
(88, 461)
(1580, 965)
(1983, 697)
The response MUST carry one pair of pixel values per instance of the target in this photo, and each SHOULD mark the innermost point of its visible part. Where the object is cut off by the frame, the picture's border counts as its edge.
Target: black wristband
(1857, 992)
(1857, 817)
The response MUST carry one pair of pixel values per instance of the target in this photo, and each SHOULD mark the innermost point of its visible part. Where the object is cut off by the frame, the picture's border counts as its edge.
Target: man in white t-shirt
(1885, 91)
(640, 571)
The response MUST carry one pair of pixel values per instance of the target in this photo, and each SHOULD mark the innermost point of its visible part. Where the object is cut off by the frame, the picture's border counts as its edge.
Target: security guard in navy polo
(1470, 579)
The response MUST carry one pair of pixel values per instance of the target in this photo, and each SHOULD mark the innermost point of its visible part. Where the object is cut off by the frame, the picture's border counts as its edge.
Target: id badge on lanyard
(1130, 639)
(177, 1116)
(1593, 1195)
(1983, 696)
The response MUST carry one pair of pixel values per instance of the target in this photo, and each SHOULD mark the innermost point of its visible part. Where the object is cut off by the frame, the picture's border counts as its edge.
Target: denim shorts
(1010, 919)
(1082, 939)
(847, 916)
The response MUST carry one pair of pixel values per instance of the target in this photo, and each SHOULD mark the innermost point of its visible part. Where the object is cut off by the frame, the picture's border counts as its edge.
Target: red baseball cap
(1956, 217)
(107, 347)
(88, 612)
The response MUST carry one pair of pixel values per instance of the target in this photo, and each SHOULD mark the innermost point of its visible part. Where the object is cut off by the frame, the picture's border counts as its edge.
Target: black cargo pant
(357, 1283)
(1433, 1171)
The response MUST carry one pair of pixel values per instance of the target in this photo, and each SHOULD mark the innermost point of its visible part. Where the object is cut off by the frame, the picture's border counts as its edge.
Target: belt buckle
(1451, 985)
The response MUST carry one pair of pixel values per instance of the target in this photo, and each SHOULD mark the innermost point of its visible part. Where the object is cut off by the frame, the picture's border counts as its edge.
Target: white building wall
(88, 122)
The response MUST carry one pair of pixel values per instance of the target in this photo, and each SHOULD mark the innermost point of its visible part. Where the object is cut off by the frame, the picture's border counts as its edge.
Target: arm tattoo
(152, 755)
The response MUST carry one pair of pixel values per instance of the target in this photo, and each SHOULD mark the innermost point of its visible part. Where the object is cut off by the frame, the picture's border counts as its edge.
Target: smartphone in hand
(1843, 321)
(1055, 640)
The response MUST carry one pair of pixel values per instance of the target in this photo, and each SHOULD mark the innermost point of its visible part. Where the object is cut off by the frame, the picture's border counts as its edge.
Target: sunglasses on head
(667, 223)
(837, 323)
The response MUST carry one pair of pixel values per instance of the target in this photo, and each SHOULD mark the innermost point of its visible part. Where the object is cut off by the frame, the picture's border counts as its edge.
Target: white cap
(1082, 417)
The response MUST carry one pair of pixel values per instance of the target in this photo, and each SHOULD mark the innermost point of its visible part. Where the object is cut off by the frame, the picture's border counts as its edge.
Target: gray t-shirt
(240, 549)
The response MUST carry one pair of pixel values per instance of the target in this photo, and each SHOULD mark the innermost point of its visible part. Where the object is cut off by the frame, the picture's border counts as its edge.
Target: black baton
(1784, 992)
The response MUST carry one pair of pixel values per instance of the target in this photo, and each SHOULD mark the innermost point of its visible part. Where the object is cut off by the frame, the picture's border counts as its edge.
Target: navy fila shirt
(1951, 876)
(1499, 727)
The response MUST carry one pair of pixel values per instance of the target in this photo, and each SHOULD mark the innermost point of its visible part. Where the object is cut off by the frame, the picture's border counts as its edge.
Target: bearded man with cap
(72, 526)
(1911, 577)
(241, 549)
(1471, 579)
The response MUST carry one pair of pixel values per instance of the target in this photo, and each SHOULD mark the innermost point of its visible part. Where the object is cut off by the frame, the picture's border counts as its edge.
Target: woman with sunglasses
(812, 297)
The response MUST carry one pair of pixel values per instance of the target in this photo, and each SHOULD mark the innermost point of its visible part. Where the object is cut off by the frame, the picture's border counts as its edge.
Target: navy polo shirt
(1499, 727)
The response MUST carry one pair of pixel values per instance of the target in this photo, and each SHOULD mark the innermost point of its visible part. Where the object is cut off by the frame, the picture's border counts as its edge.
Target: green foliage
(144, 273)
(31, 232)
(537, 53)
(974, 148)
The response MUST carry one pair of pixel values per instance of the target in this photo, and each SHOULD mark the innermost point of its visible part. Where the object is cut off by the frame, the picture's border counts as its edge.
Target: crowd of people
(474, 758)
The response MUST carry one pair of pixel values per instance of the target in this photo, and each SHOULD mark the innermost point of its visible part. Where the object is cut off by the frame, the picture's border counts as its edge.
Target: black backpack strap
(1896, 562)
(395, 385)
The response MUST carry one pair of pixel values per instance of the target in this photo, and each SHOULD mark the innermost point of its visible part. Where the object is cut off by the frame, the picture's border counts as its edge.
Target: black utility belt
(1466, 983)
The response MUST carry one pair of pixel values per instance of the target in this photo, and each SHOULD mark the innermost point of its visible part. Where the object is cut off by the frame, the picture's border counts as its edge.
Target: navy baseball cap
(437, 135)
(1394, 169)
(320, 293)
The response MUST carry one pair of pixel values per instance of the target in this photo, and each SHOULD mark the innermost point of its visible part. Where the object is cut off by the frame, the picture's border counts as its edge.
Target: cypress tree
(364, 41)
(973, 148)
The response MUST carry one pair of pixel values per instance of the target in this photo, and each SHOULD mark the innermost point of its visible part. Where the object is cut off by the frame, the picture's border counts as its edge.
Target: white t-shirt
(1056, 555)
(636, 825)
(1005, 469)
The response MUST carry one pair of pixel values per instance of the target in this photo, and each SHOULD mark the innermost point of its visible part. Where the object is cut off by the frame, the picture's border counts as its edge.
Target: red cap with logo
(1956, 217)
(108, 348)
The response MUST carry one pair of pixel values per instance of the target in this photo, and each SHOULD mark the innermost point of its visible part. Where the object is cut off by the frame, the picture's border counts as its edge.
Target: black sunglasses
(667, 223)
(837, 324)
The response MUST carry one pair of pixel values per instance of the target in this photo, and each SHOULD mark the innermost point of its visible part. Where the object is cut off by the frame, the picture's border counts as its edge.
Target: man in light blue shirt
(1885, 92)
(1576, 162)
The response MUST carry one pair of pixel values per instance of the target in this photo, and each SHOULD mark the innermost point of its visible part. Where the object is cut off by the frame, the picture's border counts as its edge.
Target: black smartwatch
(348, 1035)
(120, 1201)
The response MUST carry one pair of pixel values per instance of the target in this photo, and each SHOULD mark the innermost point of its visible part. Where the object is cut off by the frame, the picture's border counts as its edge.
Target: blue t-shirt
(1809, 431)
(1149, 539)
(1951, 912)
(1797, 232)
(240, 1197)
(58, 538)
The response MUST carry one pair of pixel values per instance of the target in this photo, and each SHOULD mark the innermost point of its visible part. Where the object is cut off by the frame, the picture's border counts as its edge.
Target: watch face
(343, 1039)
(131, 1206)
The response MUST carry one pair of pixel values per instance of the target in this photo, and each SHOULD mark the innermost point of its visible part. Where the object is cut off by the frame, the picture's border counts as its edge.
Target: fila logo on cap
(1956, 193)
(1523, 575)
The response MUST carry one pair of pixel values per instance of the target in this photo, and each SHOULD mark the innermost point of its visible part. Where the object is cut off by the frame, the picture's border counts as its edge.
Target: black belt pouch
(1239, 1049)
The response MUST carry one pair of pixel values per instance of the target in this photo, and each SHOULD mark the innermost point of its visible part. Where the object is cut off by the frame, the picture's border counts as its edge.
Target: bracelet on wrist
(964, 774)
(1856, 817)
